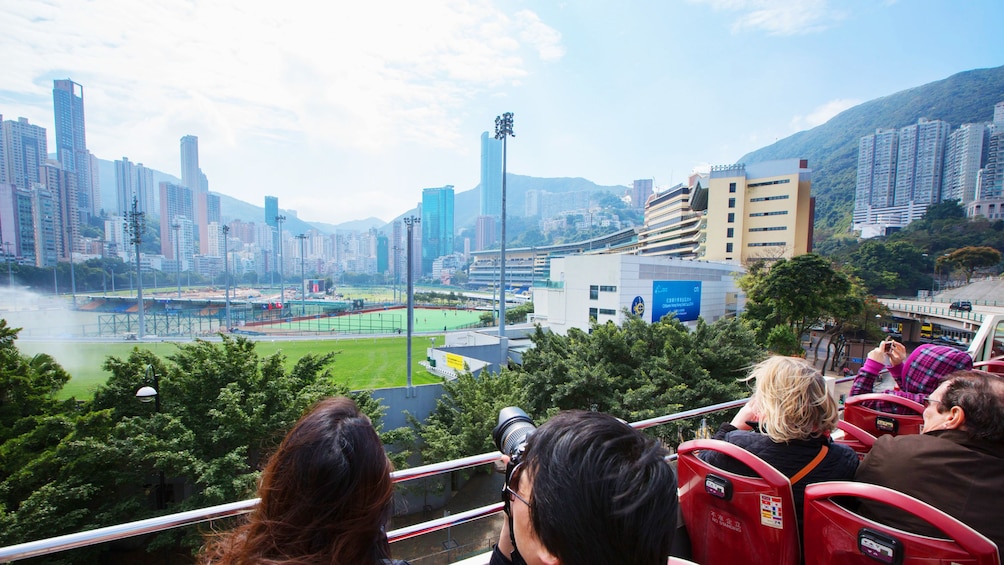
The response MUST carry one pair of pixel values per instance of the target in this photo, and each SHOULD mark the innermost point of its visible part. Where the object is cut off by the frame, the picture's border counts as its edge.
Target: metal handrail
(86, 538)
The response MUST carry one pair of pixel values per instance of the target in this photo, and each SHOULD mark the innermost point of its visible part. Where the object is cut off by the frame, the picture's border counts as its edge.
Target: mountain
(832, 148)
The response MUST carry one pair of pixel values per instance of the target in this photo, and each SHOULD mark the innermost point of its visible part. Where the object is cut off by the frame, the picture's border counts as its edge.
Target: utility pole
(503, 130)
(135, 226)
(410, 221)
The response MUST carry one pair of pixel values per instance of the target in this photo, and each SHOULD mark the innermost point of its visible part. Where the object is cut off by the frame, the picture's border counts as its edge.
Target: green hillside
(832, 148)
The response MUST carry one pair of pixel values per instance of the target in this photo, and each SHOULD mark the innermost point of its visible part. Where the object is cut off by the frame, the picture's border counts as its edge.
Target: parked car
(962, 305)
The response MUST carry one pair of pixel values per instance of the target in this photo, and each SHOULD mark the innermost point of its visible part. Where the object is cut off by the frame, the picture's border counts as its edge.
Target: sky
(347, 110)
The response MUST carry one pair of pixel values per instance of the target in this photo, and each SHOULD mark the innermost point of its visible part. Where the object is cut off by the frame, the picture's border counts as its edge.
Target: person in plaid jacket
(915, 379)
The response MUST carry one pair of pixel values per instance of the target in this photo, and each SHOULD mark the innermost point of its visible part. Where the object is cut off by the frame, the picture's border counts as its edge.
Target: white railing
(161, 523)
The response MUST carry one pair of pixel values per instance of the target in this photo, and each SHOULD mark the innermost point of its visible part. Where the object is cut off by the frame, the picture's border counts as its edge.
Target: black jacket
(789, 458)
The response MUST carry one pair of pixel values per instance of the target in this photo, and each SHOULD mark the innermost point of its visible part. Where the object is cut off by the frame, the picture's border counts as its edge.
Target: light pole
(147, 394)
(177, 254)
(226, 271)
(73, 276)
(10, 276)
(503, 130)
(135, 227)
(282, 287)
(410, 221)
(303, 280)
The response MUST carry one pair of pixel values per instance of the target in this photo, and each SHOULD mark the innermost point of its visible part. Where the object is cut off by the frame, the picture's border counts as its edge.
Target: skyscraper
(176, 204)
(25, 150)
(491, 176)
(920, 163)
(190, 173)
(71, 141)
(437, 225)
(271, 210)
(963, 157)
(640, 191)
(63, 186)
(125, 181)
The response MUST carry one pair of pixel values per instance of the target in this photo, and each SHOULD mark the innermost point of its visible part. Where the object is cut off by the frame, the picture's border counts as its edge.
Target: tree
(971, 258)
(799, 293)
(891, 268)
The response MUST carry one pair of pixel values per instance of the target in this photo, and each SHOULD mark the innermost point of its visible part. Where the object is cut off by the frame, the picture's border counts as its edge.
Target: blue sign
(682, 298)
(638, 306)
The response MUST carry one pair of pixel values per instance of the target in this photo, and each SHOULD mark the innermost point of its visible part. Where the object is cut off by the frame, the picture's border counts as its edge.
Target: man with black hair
(955, 465)
(588, 489)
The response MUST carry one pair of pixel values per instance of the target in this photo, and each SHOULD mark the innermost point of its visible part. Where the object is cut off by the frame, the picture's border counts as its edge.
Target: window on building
(593, 313)
(728, 247)
(594, 292)
(732, 187)
(731, 232)
(732, 217)
(608, 288)
(608, 312)
(732, 202)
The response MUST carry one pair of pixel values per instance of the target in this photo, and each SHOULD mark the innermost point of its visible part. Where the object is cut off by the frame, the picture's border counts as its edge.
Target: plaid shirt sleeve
(864, 383)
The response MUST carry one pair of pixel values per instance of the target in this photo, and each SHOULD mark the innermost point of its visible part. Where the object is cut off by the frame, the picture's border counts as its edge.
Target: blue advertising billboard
(682, 298)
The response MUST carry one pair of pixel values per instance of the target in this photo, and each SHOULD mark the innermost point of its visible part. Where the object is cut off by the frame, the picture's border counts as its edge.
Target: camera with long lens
(511, 433)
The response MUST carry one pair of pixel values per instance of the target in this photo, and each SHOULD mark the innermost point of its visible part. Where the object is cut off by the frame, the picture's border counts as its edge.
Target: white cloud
(544, 38)
(822, 114)
(778, 17)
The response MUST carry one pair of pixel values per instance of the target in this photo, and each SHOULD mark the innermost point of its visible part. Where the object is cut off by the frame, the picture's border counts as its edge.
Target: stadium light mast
(282, 287)
(135, 226)
(303, 279)
(177, 254)
(410, 221)
(503, 130)
(226, 271)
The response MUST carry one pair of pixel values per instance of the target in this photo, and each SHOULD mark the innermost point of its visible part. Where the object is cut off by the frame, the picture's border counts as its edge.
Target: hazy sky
(346, 110)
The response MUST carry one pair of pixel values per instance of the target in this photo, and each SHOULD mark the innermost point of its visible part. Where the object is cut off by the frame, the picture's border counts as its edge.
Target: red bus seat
(879, 423)
(995, 366)
(855, 438)
(735, 519)
(834, 534)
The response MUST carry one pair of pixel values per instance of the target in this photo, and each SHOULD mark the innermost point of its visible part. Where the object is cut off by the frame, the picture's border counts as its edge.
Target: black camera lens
(513, 429)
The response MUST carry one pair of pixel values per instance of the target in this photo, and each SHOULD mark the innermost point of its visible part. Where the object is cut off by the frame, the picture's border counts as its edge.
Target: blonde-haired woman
(787, 423)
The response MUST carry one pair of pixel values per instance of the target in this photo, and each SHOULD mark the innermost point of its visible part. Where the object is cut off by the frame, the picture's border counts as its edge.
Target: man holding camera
(585, 488)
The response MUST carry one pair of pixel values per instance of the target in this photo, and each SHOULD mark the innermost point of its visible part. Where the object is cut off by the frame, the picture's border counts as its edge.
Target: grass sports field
(382, 321)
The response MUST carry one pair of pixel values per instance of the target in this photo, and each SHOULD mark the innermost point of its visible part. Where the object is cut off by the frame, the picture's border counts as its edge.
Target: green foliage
(638, 370)
(895, 268)
(971, 258)
(464, 417)
(782, 341)
(223, 409)
(798, 293)
(517, 314)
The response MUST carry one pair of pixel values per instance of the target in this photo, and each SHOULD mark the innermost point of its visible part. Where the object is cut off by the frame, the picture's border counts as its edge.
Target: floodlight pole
(303, 284)
(226, 272)
(282, 287)
(136, 225)
(503, 130)
(410, 221)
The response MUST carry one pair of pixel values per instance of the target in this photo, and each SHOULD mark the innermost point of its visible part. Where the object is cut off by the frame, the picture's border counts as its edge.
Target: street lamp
(503, 130)
(303, 280)
(10, 276)
(282, 287)
(410, 221)
(147, 394)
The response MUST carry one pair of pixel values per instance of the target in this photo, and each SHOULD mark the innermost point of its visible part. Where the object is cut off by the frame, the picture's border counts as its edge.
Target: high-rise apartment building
(640, 191)
(125, 181)
(146, 190)
(25, 149)
(71, 143)
(176, 207)
(3, 158)
(920, 163)
(190, 173)
(484, 232)
(271, 210)
(761, 211)
(63, 186)
(437, 225)
(491, 176)
(876, 178)
(964, 156)
(46, 223)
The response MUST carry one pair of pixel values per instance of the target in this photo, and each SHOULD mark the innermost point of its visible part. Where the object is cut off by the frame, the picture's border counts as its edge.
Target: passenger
(787, 423)
(923, 371)
(589, 489)
(325, 497)
(955, 465)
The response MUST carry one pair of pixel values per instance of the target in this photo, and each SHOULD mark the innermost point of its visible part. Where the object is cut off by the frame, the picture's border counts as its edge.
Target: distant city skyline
(350, 117)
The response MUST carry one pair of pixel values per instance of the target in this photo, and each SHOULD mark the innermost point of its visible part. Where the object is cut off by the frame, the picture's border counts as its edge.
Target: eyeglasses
(929, 401)
(509, 489)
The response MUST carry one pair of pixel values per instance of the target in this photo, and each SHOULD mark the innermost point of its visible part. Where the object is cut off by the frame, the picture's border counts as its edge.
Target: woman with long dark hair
(325, 497)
